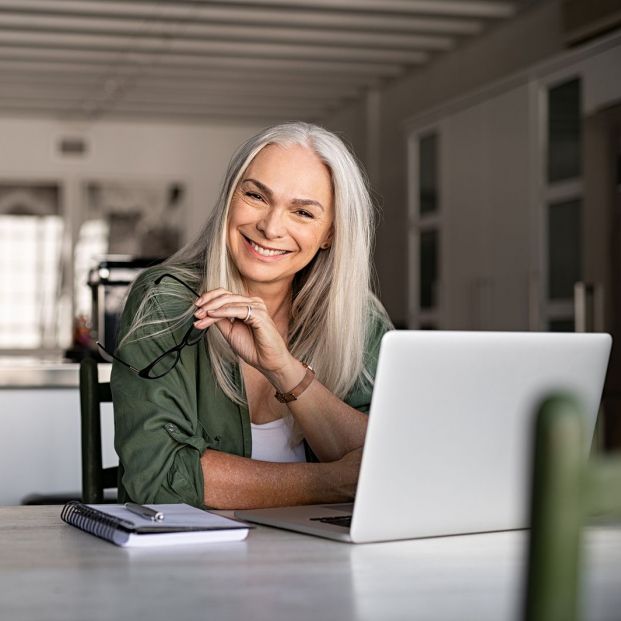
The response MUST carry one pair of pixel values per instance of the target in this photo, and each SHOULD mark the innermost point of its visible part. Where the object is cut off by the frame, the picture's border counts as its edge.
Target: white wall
(193, 153)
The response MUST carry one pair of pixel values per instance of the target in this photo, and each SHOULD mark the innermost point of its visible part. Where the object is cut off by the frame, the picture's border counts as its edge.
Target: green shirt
(163, 426)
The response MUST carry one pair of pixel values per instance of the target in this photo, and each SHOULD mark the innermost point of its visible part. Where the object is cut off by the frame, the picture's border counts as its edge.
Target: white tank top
(272, 442)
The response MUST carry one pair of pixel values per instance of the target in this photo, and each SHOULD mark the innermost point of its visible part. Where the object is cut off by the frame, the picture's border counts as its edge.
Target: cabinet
(512, 230)
(483, 218)
(40, 440)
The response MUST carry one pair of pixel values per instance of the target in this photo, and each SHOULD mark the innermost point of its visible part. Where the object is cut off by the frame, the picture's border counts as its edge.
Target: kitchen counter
(40, 417)
(27, 372)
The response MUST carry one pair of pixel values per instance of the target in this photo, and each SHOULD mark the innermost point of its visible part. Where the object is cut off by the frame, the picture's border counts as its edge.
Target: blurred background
(490, 131)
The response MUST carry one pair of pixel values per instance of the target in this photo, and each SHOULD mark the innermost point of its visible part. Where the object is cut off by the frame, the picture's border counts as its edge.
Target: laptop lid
(449, 444)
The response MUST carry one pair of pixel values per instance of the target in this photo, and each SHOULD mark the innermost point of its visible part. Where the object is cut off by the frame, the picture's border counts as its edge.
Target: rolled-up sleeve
(157, 434)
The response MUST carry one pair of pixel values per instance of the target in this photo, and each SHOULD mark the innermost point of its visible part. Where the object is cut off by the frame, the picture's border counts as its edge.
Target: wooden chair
(95, 478)
(567, 488)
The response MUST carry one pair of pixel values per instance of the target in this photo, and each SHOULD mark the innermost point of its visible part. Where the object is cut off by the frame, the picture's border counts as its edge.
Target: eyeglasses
(167, 361)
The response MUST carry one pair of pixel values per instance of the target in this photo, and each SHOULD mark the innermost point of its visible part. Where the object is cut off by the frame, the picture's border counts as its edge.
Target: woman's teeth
(265, 251)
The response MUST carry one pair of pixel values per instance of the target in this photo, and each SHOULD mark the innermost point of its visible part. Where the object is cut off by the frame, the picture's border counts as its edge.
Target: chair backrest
(95, 478)
(567, 488)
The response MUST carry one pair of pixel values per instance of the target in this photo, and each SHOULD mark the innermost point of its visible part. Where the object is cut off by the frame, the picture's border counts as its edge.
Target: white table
(52, 571)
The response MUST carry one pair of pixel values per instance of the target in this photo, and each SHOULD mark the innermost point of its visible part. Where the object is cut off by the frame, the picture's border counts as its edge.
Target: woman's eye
(304, 213)
(254, 196)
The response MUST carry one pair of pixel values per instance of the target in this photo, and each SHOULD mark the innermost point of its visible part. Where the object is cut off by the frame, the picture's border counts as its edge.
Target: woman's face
(281, 214)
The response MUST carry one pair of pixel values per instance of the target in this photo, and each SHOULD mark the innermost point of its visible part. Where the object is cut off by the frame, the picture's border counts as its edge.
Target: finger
(236, 311)
(204, 298)
(225, 301)
(210, 300)
(205, 322)
(232, 298)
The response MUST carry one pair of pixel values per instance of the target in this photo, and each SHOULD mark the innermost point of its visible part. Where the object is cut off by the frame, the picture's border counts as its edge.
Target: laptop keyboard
(337, 520)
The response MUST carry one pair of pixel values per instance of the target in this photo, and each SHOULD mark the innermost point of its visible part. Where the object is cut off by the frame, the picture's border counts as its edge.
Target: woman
(255, 392)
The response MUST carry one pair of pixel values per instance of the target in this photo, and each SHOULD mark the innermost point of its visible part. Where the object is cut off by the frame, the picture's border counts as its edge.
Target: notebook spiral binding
(93, 521)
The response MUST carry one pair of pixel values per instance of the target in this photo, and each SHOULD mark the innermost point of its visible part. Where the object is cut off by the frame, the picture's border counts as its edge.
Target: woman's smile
(263, 252)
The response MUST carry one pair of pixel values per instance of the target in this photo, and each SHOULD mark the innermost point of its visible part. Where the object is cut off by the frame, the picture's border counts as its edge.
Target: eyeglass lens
(164, 364)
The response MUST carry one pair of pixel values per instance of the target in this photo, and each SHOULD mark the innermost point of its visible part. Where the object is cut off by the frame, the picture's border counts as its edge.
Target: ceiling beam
(283, 87)
(96, 90)
(121, 57)
(216, 114)
(149, 104)
(30, 109)
(471, 8)
(68, 100)
(32, 68)
(216, 32)
(176, 46)
(182, 99)
(216, 14)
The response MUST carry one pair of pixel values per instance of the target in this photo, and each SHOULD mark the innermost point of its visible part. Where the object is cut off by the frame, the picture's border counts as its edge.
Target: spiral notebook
(182, 524)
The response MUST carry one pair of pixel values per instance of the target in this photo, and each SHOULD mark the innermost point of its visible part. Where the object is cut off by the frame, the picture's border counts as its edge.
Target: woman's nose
(272, 224)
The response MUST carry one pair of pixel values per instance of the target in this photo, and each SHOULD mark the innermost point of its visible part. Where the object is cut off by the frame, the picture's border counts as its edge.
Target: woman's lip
(251, 241)
(275, 257)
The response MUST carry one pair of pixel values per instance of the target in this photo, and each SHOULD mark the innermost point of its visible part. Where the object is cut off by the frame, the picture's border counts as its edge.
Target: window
(428, 268)
(92, 243)
(46, 254)
(562, 205)
(564, 131)
(425, 231)
(428, 174)
(564, 249)
(31, 239)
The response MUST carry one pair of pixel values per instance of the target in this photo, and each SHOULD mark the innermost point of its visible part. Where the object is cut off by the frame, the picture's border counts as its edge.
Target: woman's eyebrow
(260, 185)
(305, 202)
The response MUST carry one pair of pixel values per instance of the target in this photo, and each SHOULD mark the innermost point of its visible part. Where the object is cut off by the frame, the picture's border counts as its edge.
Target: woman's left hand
(252, 334)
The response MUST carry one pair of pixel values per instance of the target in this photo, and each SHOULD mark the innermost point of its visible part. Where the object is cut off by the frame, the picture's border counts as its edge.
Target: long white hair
(332, 296)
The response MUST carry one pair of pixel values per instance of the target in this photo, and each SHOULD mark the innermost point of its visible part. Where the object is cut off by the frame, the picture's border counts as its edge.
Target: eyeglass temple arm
(129, 366)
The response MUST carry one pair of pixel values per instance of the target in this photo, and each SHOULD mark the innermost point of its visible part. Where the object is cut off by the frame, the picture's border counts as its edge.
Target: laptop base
(302, 519)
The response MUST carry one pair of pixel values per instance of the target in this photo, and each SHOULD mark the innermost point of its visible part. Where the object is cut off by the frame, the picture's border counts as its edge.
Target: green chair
(567, 488)
(95, 478)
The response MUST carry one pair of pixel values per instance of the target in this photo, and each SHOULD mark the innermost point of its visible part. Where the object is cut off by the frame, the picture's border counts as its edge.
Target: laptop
(448, 447)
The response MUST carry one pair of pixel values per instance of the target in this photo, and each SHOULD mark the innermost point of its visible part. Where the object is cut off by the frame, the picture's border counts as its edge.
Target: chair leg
(92, 484)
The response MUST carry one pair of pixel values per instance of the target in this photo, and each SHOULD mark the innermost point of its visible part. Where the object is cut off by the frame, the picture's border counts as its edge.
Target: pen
(145, 512)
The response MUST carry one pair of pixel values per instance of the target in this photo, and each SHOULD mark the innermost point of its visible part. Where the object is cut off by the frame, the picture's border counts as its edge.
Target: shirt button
(170, 427)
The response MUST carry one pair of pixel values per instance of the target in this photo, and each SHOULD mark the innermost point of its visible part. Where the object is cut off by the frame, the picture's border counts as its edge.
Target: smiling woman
(284, 373)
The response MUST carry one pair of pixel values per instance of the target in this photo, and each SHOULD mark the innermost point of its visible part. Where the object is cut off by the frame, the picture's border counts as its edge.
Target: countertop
(30, 372)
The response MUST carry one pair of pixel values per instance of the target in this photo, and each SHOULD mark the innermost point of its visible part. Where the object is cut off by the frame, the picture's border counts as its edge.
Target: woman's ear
(328, 241)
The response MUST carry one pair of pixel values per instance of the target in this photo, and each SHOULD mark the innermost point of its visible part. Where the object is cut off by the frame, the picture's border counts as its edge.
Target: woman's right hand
(247, 326)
